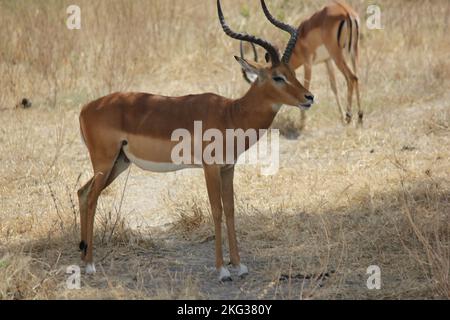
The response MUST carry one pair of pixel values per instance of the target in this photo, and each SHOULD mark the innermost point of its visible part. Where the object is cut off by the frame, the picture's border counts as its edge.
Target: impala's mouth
(305, 106)
(309, 102)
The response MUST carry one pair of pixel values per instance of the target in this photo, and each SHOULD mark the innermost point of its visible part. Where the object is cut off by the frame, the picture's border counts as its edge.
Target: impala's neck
(255, 110)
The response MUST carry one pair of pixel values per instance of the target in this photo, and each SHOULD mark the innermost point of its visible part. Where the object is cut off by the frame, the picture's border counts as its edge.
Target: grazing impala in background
(124, 128)
(323, 38)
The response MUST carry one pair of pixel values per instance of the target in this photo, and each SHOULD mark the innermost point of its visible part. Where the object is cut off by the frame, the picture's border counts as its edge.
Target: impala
(124, 128)
(323, 38)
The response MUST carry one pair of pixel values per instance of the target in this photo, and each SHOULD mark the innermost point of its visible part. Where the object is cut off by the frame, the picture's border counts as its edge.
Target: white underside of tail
(346, 33)
(354, 34)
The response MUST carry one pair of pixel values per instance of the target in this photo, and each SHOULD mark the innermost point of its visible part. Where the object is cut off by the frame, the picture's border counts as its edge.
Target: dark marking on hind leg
(360, 117)
(348, 117)
(83, 247)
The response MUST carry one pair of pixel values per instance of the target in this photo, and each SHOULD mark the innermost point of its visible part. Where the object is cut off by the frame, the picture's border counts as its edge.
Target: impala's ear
(252, 71)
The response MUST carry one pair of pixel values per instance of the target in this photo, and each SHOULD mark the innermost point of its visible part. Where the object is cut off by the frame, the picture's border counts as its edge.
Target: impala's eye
(279, 79)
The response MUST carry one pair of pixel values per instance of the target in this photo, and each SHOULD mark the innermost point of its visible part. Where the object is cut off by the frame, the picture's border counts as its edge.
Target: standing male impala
(137, 127)
(324, 38)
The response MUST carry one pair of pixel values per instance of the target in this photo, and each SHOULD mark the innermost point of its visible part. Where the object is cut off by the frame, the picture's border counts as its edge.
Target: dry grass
(343, 199)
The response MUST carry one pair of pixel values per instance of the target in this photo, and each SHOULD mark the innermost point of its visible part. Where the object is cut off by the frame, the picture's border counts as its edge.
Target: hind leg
(358, 98)
(82, 199)
(106, 169)
(308, 76)
(350, 77)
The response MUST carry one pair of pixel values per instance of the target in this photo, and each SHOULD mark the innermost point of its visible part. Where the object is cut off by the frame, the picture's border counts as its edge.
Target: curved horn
(249, 38)
(255, 53)
(283, 26)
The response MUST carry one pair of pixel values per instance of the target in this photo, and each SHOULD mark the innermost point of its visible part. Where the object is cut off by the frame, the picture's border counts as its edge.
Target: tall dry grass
(343, 199)
(129, 44)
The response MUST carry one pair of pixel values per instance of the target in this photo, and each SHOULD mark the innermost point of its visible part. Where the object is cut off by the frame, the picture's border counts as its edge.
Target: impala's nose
(309, 97)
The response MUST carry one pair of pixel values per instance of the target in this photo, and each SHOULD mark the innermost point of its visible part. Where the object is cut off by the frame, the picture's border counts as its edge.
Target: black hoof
(25, 103)
(226, 279)
(348, 117)
(83, 247)
(360, 117)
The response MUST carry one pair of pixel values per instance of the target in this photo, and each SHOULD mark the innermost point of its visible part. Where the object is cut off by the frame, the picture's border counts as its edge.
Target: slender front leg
(308, 75)
(213, 184)
(332, 77)
(227, 174)
(355, 59)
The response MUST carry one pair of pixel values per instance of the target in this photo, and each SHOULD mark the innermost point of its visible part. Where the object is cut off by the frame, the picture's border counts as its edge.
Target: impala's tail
(349, 31)
(353, 40)
(348, 34)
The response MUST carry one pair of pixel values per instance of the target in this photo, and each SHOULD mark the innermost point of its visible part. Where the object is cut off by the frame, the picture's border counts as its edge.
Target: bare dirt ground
(177, 258)
(343, 199)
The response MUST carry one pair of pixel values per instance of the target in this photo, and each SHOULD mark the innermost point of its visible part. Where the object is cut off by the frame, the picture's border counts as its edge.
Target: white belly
(321, 54)
(156, 166)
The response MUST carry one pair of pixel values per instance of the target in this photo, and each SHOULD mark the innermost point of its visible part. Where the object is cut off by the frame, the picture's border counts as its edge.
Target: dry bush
(428, 237)
(16, 278)
(191, 216)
